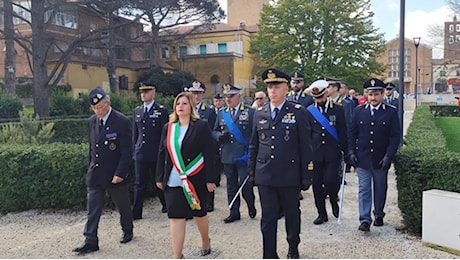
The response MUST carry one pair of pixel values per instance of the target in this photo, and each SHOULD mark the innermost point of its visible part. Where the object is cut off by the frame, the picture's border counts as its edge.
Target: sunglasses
(259, 98)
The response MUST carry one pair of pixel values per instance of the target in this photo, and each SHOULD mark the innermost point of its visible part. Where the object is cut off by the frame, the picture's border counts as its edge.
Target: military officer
(110, 155)
(329, 141)
(280, 162)
(206, 113)
(296, 95)
(233, 131)
(373, 141)
(148, 121)
(390, 98)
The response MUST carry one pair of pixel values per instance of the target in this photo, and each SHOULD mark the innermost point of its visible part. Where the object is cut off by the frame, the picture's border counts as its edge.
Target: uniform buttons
(143, 121)
(97, 145)
(143, 127)
(323, 134)
(287, 127)
(272, 156)
(372, 123)
(143, 142)
(97, 164)
(231, 142)
(97, 155)
(372, 150)
(273, 147)
(143, 134)
(371, 132)
(273, 137)
(323, 142)
(322, 128)
(188, 159)
(371, 141)
(273, 127)
(292, 161)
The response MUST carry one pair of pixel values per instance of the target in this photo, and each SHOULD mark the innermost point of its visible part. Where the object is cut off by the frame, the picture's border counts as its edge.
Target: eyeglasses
(259, 98)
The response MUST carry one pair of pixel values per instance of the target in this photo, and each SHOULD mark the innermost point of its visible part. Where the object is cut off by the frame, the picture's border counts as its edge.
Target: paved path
(45, 234)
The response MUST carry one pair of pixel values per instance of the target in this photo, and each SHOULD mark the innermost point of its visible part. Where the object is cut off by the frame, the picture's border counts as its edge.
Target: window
(222, 47)
(62, 19)
(164, 52)
(457, 27)
(442, 73)
(451, 28)
(182, 51)
(451, 39)
(202, 49)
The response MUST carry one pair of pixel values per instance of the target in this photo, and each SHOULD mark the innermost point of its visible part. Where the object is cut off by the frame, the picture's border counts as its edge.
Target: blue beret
(96, 95)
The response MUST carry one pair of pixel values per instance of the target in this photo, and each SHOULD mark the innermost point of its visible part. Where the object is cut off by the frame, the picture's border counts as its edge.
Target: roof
(218, 27)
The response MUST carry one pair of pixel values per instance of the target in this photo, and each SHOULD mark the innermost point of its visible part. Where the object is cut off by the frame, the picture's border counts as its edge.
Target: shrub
(28, 131)
(62, 104)
(10, 105)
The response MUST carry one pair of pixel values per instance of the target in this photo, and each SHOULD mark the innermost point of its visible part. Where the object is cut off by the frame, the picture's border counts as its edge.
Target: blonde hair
(173, 117)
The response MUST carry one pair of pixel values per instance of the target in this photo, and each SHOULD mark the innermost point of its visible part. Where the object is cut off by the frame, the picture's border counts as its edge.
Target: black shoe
(252, 213)
(126, 238)
(364, 227)
(300, 195)
(164, 210)
(136, 218)
(320, 220)
(378, 222)
(293, 253)
(86, 248)
(204, 252)
(209, 208)
(335, 209)
(231, 219)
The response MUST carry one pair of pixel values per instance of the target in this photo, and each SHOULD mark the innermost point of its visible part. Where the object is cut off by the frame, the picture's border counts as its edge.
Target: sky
(420, 15)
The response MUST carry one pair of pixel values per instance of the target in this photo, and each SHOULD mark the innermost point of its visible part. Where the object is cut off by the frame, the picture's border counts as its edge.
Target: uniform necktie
(233, 113)
(276, 112)
(146, 110)
(101, 125)
(373, 111)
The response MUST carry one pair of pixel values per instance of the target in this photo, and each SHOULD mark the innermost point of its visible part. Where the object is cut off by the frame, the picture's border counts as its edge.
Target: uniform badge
(112, 146)
(310, 166)
(286, 138)
(263, 121)
(332, 119)
(262, 136)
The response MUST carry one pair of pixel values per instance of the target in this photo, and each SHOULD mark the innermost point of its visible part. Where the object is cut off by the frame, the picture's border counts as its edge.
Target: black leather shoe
(231, 219)
(164, 210)
(252, 213)
(335, 209)
(210, 208)
(364, 227)
(293, 253)
(126, 238)
(320, 220)
(86, 248)
(204, 252)
(378, 222)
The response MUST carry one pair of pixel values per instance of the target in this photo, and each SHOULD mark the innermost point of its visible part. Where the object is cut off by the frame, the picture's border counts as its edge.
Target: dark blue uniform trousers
(271, 199)
(95, 196)
(143, 176)
(235, 174)
(326, 180)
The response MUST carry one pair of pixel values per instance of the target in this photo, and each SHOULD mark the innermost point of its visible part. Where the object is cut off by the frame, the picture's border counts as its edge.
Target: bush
(28, 131)
(62, 104)
(168, 84)
(423, 163)
(10, 105)
(45, 176)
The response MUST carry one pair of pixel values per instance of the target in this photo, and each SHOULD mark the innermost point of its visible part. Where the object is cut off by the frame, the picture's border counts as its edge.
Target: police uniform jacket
(147, 131)
(110, 150)
(304, 99)
(280, 152)
(244, 120)
(194, 142)
(393, 101)
(326, 147)
(208, 114)
(372, 138)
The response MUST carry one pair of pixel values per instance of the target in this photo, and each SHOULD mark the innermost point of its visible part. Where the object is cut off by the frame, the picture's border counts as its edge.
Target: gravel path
(53, 234)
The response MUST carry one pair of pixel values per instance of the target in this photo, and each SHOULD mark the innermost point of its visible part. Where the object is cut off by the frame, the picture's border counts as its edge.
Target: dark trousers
(236, 174)
(120, 197)
(143, 179)
(271, 199)
(326, 180)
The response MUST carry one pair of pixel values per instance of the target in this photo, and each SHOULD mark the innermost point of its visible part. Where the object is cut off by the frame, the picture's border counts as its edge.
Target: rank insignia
(310, 166)
(112, 146)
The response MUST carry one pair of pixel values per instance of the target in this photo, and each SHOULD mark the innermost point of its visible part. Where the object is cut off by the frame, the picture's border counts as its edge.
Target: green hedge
(423, 163)
(45, 176)
(445, 110)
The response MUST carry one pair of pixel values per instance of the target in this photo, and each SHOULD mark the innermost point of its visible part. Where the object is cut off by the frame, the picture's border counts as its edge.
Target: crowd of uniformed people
(288, 140)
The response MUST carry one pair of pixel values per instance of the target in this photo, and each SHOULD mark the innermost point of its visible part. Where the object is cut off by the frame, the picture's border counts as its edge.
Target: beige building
(423, 71)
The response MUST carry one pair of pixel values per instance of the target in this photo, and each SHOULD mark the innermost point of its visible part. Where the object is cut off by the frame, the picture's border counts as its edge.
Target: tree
(161, 15)
(321, 38)
(10, 52)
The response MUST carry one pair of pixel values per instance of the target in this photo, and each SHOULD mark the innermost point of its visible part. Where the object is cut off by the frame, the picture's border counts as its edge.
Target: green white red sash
(191, 169)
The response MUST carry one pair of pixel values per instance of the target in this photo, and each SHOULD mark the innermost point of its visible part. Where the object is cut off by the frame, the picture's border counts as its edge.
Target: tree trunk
(39, 48)
(111, 66)
(154, 50)
(10, 52)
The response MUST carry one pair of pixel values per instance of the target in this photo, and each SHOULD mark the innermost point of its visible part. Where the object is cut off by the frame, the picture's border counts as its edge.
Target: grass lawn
(450, 127)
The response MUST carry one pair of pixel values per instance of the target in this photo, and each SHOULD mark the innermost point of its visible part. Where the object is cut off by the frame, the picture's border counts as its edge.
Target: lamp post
(416, 43)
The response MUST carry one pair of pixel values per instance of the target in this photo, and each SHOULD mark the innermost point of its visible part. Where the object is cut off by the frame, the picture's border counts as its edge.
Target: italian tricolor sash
(191, 169)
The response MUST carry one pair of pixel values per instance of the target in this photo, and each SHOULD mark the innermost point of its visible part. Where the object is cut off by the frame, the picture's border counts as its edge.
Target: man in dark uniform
(206, 113)
(280, 162)
(110, 155)
(389, 98)
(329, 141)
(233, 131)
(373, 141)
(296, 95)
(148, 121)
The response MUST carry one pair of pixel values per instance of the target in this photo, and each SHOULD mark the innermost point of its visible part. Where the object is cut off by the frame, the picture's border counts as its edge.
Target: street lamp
(416, 43)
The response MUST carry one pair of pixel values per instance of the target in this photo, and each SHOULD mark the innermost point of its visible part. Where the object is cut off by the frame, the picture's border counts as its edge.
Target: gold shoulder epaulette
(297, 106)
